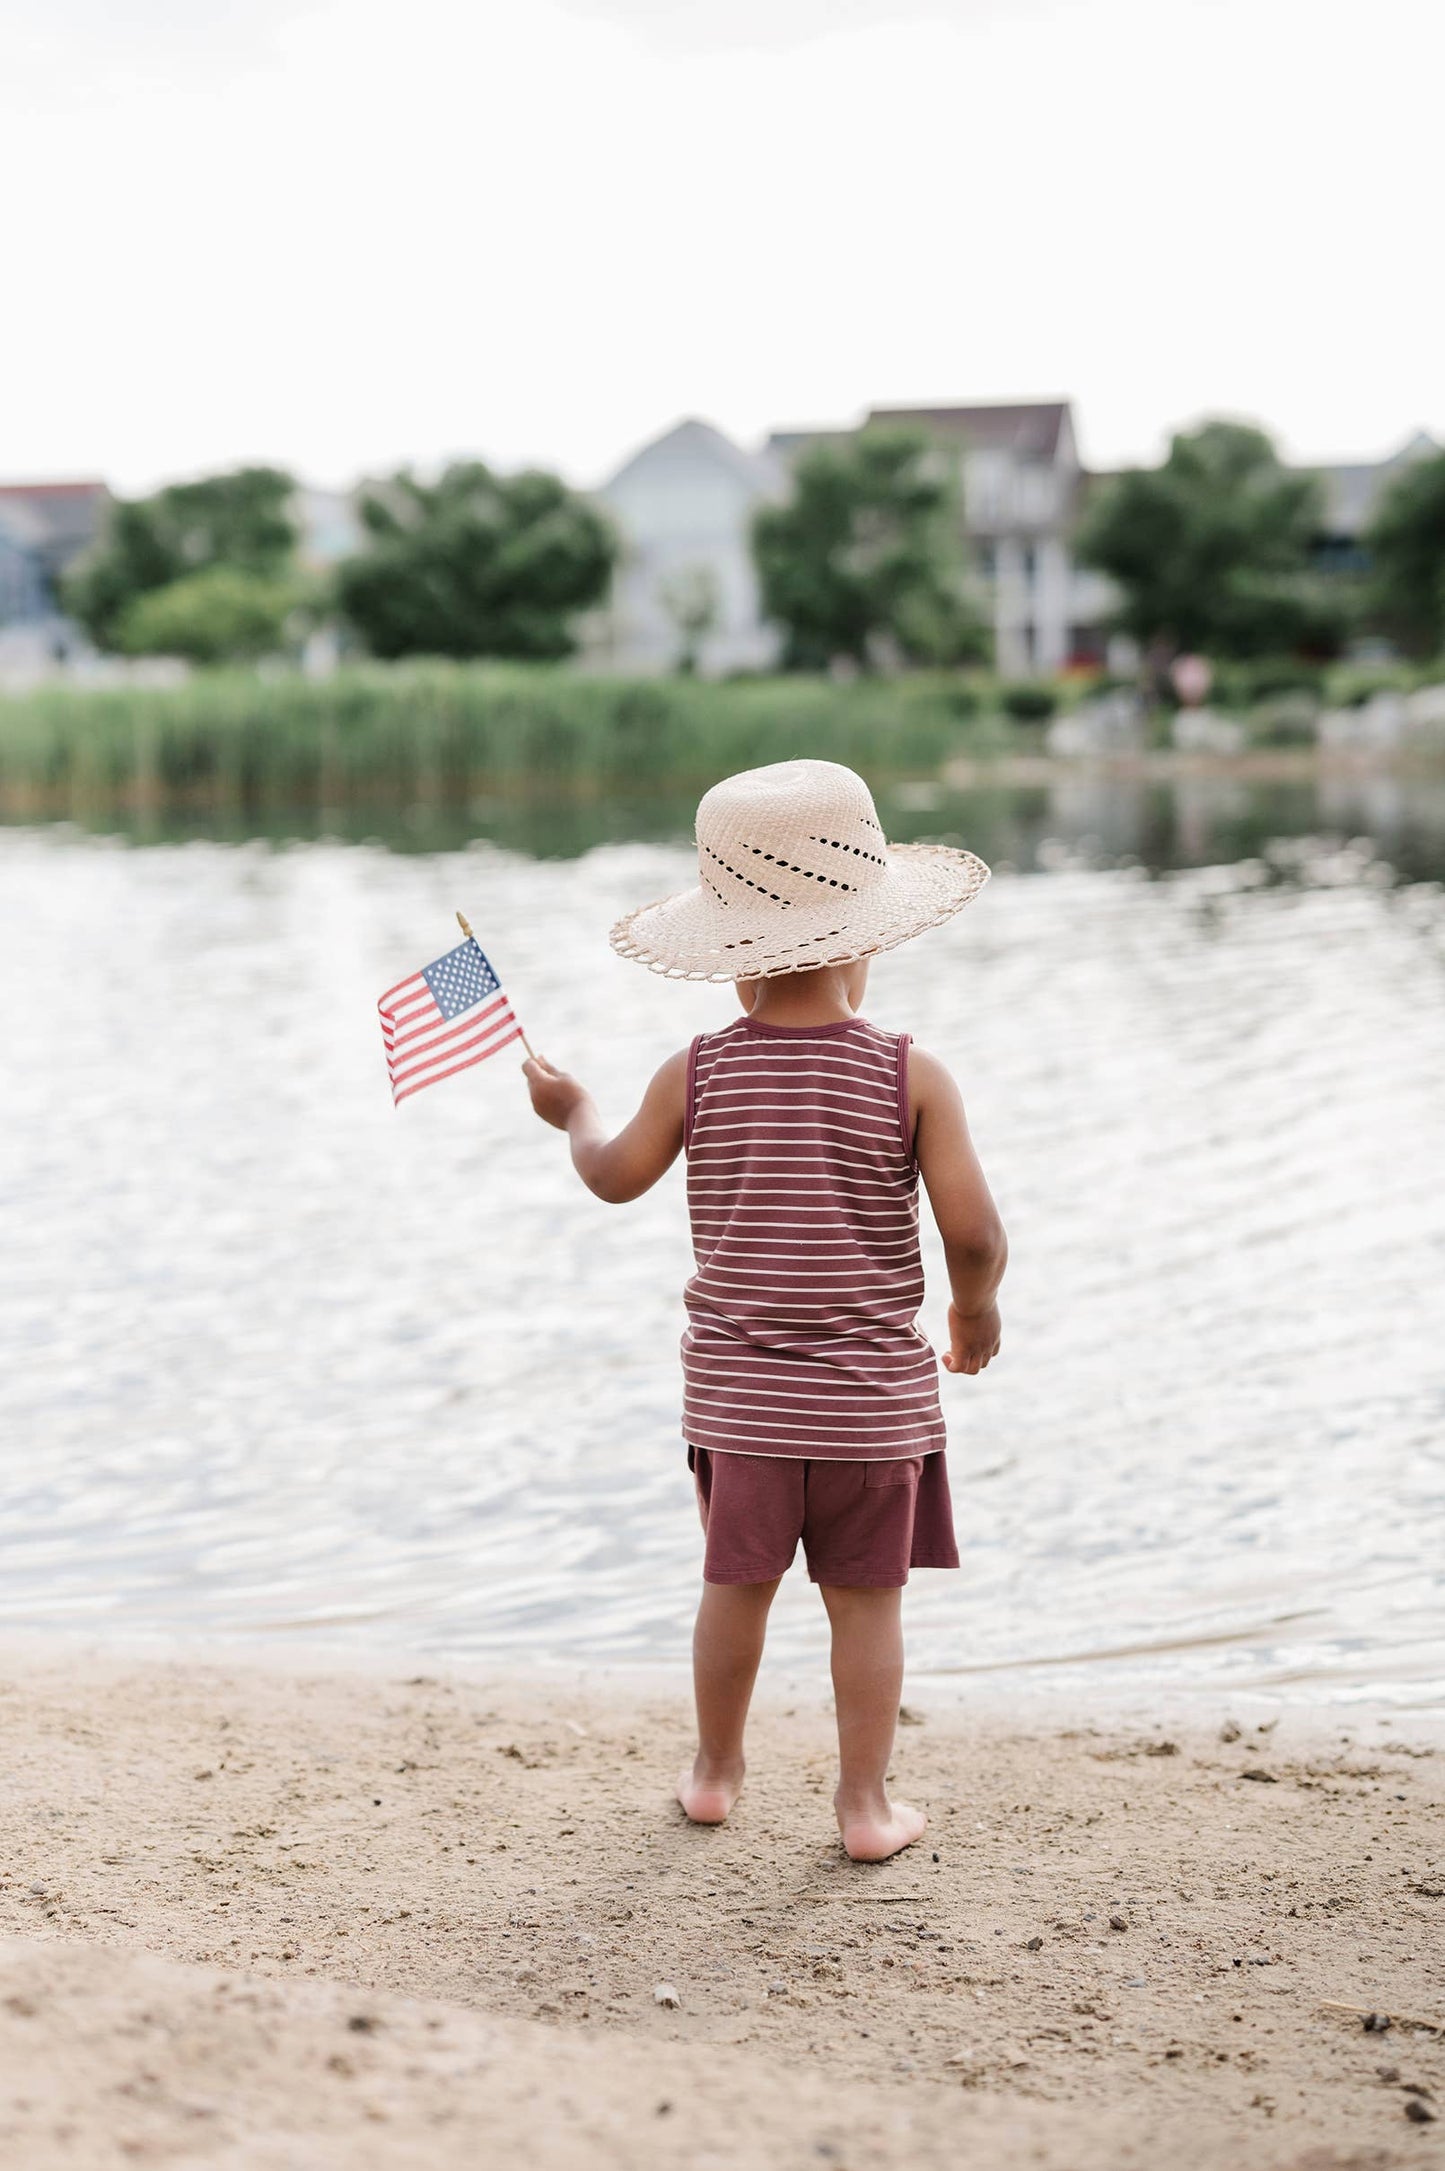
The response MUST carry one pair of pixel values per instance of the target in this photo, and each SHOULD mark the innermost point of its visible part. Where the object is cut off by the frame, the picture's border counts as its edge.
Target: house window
(1028, 560)
(987, 560)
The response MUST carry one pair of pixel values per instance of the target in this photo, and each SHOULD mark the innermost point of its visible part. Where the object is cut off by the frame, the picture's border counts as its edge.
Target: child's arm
(973, 1237)
(619, 1168)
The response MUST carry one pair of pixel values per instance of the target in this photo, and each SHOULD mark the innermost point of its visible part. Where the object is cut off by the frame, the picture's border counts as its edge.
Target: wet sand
(266, 1917)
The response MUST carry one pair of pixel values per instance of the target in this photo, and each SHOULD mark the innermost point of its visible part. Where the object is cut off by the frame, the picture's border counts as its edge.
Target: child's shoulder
(929, 1077)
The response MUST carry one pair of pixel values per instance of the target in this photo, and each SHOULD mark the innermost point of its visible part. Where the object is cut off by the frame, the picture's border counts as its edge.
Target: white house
(1020, 481)
(683, 507)
(328, 525)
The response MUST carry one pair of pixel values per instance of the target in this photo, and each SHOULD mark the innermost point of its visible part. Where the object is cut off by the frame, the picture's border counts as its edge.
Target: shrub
(1241, 685)
(1288, 720)
(1272, 681)
(1351, 685)
(223, 615)
(1027, 702)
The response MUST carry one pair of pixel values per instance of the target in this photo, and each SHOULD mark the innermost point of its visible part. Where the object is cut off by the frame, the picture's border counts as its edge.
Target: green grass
(425, 750)
(245, 745)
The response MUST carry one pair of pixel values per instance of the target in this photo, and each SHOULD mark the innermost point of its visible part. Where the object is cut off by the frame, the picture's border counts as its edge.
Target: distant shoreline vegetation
(428, 755)
(248, 747)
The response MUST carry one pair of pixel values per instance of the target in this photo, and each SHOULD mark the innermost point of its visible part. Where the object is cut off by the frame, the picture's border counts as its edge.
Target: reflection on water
(1100, 818)
(275, 1356)
(1092, 817)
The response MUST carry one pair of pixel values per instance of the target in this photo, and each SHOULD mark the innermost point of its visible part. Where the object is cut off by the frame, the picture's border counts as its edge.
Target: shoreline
(26, 803)
(1168, 764)
(1042, 1696)
(256, 1913)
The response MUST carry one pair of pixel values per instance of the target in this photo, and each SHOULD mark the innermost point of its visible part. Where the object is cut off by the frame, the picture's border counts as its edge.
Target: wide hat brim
(692, 936)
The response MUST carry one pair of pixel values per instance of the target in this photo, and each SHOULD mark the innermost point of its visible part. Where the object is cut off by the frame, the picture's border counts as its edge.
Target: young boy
(811, 1399)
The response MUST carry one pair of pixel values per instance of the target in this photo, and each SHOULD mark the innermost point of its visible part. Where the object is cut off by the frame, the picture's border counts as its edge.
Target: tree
(691, 599)
(863, 559)
(224, 615)
(1211, 550)
(475, 564)
(241, 520)
(1406, 542)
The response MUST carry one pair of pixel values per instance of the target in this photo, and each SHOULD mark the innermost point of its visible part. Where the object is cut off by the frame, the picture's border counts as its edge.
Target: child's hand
(555, 1096)
(972, 1340)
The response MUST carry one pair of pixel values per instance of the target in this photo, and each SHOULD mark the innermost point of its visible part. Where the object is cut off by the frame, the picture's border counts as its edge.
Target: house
(1021, 485)
(62, 519)
(684, 504)
(685, 583)
(328, 525)
(1353, 491)
(44, 527)
(1022, 482)
(24, 591)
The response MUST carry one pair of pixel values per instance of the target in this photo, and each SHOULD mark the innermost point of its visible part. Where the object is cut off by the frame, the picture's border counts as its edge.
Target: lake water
(279, 1359)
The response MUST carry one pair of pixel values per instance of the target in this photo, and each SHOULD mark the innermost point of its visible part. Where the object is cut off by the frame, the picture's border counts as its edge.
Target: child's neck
(828, 996)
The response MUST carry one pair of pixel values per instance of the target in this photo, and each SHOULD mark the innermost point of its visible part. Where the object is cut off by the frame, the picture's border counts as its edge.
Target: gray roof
(757, 470)
(1030, 429)
(1353, 488)
(787, 444)
(66, 516)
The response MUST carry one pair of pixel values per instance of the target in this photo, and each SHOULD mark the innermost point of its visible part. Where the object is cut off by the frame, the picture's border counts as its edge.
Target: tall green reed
(246, 746)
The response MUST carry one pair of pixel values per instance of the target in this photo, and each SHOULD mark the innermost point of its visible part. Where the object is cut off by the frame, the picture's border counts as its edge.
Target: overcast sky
(354, 233)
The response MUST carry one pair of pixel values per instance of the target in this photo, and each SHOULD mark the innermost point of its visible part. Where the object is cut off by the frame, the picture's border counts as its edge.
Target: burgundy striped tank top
(803, 1193)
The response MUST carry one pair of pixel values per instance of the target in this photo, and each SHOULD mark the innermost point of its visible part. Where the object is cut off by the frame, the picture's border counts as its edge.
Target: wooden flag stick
(466, 927)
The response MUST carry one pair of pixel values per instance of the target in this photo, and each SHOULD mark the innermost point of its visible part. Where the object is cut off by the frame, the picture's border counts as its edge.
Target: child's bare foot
(874, 1830)
(708, 1791)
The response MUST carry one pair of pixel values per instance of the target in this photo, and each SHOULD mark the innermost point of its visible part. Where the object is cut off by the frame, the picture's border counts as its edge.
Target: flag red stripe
(455, 1036)
(413, 1025)
(448, 1044)
(407, 1013)
(406, 983)
(427, 1025)
(436, 1076)
(457, 1025)
(404, 1073)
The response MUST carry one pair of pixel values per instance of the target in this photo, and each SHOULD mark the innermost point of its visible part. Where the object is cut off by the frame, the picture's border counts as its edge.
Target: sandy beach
(266, 1916)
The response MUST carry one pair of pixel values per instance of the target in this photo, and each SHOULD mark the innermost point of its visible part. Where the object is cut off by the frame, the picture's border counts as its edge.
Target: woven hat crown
(794, 872)
(798, 833)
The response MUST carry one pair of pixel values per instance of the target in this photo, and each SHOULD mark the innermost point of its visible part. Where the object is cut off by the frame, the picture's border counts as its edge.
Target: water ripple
(275, 1357)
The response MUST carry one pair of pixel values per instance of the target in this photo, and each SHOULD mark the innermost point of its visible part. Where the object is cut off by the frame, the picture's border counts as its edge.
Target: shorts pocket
(906, 1470)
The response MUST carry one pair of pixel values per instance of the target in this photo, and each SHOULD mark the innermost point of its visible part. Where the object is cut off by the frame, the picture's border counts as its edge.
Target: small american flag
(443, 1019)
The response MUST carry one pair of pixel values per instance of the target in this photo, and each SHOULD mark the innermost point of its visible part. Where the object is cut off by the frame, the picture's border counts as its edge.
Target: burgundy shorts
(863, 1524)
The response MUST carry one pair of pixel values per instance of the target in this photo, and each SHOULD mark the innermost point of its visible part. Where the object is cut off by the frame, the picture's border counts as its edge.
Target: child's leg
(727, 1645)
(867, 1683)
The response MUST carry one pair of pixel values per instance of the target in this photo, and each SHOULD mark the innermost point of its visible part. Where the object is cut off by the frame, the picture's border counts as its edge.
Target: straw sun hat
(794, 871)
